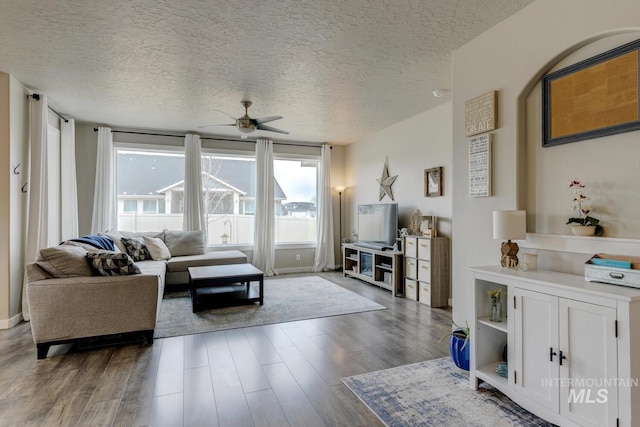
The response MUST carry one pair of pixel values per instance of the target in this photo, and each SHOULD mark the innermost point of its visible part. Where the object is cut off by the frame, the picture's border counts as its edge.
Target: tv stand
(370, 246)
(379, 267)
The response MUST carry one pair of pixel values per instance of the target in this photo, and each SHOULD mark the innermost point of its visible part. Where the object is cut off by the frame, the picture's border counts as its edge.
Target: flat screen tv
(378, 225)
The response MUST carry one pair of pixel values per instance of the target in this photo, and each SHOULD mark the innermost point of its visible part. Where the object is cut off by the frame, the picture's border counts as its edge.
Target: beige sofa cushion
(157, 268)
(209, 258)
(33, 272)
(185, 242)
(65, 261)
(157, 248)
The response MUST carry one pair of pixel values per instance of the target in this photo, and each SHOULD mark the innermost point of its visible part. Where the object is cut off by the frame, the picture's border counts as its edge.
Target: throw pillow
(157, 248)
(136, 249)
(117, 239)
(185, 242)
(64, 261)
(112, 263)
(89, 247)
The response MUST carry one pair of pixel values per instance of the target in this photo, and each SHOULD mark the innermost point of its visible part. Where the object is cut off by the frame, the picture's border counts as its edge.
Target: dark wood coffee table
(224, 279)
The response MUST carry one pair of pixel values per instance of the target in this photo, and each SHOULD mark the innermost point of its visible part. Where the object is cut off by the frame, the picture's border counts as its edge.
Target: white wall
(603, 164)
(5, 185)
(18, 202)
(411, 146)
(511, 57)
(13, 152)
(86, 152)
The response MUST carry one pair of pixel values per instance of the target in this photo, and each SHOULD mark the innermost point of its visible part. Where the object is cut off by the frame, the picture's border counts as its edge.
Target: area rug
(436, 393)
(285, 300)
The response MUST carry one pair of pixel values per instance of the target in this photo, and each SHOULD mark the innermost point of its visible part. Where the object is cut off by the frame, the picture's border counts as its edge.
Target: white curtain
(37, 230)
(264, 228)
(193, 216)
(68, 183)
(325, 258)
(104, 197)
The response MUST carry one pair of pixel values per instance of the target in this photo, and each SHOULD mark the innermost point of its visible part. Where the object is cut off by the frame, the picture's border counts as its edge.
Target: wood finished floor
(287, 374)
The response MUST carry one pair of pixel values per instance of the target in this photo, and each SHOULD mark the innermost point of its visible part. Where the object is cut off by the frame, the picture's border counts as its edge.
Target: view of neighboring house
(154, 184)
(299, 209)
(150, 195)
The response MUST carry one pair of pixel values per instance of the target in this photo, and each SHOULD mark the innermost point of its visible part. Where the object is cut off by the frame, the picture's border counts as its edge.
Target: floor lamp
(340, 189)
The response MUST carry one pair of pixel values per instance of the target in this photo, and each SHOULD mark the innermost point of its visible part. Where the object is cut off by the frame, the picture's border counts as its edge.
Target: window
(130, 206)
(149, 206)
(150, 192)
(295, 200)
(228, 184)
(157, 179)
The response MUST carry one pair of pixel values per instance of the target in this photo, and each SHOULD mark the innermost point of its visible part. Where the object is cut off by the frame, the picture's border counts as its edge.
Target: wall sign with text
(480, 166)
(481, 114)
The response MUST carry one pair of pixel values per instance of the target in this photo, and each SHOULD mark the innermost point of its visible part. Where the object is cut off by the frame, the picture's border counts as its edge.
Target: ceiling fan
(247, 125)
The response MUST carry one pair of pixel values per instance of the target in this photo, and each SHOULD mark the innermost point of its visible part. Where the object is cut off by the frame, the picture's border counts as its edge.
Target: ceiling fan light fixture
(247, 125)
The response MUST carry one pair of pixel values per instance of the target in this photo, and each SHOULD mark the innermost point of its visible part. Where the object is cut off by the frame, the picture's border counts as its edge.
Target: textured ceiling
(336, 70)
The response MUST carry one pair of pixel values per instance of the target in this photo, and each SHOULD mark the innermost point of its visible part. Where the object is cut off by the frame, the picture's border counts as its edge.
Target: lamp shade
(509, 225)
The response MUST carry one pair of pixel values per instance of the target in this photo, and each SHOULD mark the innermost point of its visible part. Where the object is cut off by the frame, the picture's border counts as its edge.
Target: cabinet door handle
(616, 275)
(562, 357)
(551, 354)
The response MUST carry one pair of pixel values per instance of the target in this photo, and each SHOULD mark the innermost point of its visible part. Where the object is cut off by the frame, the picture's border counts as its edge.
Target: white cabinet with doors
(573, 355)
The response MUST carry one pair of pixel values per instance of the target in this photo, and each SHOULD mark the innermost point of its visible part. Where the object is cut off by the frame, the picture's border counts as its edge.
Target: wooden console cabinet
(380, 268)
(573, 347)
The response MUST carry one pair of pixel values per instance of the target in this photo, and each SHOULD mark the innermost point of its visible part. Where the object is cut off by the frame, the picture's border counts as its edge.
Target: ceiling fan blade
(225, 113)
(222, 124)
(271, 129)
(267, 119)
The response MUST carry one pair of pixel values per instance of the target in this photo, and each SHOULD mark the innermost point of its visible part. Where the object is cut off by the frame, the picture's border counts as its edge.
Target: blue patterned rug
(436, 393)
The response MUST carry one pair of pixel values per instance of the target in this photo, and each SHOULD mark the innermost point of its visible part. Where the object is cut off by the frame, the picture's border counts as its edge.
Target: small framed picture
(433, 182)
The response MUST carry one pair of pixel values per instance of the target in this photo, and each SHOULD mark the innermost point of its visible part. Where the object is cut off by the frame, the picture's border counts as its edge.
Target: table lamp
(509, 225)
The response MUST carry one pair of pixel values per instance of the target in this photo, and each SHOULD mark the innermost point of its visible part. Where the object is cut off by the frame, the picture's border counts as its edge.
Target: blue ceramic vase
(459, 354)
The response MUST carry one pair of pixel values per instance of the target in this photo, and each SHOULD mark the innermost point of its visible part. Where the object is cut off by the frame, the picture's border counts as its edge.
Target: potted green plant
(583, 224)
(459, 345)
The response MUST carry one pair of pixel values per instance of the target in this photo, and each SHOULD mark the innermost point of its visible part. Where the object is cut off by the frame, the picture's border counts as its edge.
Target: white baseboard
(295, 270)
(450, 302)
(10, 323)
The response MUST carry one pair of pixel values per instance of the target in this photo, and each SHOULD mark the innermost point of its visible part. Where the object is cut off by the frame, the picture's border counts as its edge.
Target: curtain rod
(36, 96)
(210, 138)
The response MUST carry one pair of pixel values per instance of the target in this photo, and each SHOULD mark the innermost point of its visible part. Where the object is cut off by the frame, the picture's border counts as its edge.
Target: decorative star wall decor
(386, 181)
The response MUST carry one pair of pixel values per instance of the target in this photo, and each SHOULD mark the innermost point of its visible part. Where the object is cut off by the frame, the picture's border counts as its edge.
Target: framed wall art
(592, 98)
(433, 182)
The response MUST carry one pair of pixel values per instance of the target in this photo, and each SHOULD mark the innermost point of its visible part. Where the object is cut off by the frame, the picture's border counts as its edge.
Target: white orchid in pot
(583, 224)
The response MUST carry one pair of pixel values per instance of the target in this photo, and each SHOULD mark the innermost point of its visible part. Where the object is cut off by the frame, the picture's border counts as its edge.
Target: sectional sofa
(68, 298)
